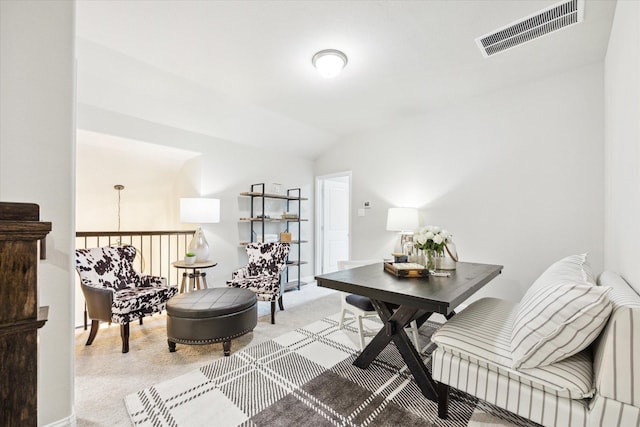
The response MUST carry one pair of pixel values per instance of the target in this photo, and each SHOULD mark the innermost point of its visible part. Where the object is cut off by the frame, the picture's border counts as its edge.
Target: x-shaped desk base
(394, 324)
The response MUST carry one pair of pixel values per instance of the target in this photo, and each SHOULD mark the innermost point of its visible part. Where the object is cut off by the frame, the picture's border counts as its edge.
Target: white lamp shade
(402, 219)
(199, 210)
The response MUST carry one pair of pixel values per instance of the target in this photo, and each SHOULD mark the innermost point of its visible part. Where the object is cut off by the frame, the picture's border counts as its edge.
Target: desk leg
(394, 330)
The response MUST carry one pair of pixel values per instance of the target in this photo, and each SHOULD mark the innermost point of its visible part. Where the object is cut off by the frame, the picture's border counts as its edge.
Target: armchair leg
(124, 333)
(94, 330)
(443, 400)
(273, 312)
(280, 304)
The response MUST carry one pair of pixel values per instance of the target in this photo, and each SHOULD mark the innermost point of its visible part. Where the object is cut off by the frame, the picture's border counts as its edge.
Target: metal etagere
(292, 224)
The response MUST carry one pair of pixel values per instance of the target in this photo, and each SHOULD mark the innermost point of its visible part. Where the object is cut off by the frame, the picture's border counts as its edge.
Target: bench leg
(172, 346)
(226, 346)
(443, 400)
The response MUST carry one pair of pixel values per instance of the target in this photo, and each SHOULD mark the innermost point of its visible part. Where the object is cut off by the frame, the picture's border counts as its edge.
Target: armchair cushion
(266, 289)
(130, 304)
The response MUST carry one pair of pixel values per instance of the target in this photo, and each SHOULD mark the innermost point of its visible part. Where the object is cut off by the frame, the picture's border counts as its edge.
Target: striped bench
(599, 386)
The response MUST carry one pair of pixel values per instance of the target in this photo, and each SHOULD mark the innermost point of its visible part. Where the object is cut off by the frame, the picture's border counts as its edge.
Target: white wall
(37, 165)
(148, 172)
(515, 175)
(622, 150)
(224, 170)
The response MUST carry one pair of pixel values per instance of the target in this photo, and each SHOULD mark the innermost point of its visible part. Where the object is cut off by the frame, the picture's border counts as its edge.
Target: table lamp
(403, 220)
(199, 211)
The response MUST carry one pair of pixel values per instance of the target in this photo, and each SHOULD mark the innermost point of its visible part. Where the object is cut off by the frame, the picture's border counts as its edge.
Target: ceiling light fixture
(329, 62)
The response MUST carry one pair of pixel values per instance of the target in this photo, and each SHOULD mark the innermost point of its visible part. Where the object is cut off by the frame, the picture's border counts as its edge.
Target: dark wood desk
(415, 299)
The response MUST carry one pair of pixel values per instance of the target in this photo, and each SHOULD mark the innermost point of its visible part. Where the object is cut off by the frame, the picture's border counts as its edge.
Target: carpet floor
(104, 375)
(306, 377)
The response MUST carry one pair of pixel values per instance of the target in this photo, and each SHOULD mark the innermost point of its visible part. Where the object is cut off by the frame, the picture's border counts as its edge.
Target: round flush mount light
(329, 62)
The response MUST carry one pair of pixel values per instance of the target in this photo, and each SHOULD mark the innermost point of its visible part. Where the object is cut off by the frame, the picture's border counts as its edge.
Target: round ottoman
(209, 316)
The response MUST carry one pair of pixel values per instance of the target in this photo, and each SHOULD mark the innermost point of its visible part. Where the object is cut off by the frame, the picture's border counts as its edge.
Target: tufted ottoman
(209, 316)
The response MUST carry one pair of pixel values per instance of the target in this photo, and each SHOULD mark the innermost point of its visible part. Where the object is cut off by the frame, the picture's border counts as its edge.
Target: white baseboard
(70, 421)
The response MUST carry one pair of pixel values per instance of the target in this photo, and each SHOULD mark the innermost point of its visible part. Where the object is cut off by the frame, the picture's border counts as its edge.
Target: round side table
(194, 276)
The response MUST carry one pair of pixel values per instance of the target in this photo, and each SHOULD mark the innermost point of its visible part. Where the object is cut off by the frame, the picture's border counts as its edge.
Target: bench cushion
(481, 335)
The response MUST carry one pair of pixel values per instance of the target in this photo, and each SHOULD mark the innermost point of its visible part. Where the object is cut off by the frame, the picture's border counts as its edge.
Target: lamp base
(199, 246)
(403, 237)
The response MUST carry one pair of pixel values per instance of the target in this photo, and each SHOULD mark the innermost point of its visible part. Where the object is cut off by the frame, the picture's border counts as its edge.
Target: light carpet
(306, 377)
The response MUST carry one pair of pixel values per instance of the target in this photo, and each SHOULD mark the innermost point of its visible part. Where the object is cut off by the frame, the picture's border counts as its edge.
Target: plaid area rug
(305, 377)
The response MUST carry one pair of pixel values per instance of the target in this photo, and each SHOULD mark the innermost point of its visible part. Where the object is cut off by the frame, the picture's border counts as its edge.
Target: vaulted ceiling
(250, 61)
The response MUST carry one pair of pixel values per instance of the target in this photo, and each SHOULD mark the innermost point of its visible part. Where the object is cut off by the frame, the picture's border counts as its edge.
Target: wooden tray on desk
(406, 269)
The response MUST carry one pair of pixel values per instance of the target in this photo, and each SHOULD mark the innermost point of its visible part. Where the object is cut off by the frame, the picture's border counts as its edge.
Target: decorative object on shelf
(285, 237)
(189, 258)
(329, 62)
(404, 221)
(432, 240)
(199, 211)
(276, 188)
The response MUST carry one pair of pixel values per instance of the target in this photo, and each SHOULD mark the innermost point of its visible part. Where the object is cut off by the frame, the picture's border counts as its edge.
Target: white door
(335, 222)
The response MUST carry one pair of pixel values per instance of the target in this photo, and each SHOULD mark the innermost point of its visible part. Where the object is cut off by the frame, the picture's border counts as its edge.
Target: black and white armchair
(115, 292)
(262, 274)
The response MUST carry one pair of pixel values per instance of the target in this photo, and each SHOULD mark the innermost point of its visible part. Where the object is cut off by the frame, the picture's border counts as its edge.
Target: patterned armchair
(115, 292)
(262, 274)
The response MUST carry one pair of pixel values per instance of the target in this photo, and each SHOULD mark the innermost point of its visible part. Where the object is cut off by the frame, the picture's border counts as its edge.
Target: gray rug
(304, 377)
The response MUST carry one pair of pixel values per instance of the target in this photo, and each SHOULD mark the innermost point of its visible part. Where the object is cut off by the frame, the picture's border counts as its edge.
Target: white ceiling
(405, 57)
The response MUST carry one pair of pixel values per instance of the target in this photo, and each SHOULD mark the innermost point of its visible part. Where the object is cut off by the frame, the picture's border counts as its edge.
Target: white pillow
(558, 321)
(574, 268)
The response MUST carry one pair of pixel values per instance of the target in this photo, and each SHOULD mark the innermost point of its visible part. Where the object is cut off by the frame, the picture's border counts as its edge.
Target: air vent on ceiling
(539, 24)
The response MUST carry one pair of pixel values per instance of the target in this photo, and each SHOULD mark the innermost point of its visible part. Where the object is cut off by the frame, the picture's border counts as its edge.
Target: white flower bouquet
(432, 239)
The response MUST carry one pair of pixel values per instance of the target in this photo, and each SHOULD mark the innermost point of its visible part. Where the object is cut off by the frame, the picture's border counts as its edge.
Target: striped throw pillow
(558, 321)
(573, 268)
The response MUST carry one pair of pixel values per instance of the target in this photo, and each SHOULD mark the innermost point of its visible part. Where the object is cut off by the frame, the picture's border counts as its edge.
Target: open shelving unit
(258, 220)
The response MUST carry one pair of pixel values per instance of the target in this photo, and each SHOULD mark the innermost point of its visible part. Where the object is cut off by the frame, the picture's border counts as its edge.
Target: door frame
(319, 233)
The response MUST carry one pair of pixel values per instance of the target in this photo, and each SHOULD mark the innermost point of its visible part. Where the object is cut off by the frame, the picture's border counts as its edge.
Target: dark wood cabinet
(20, 315)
